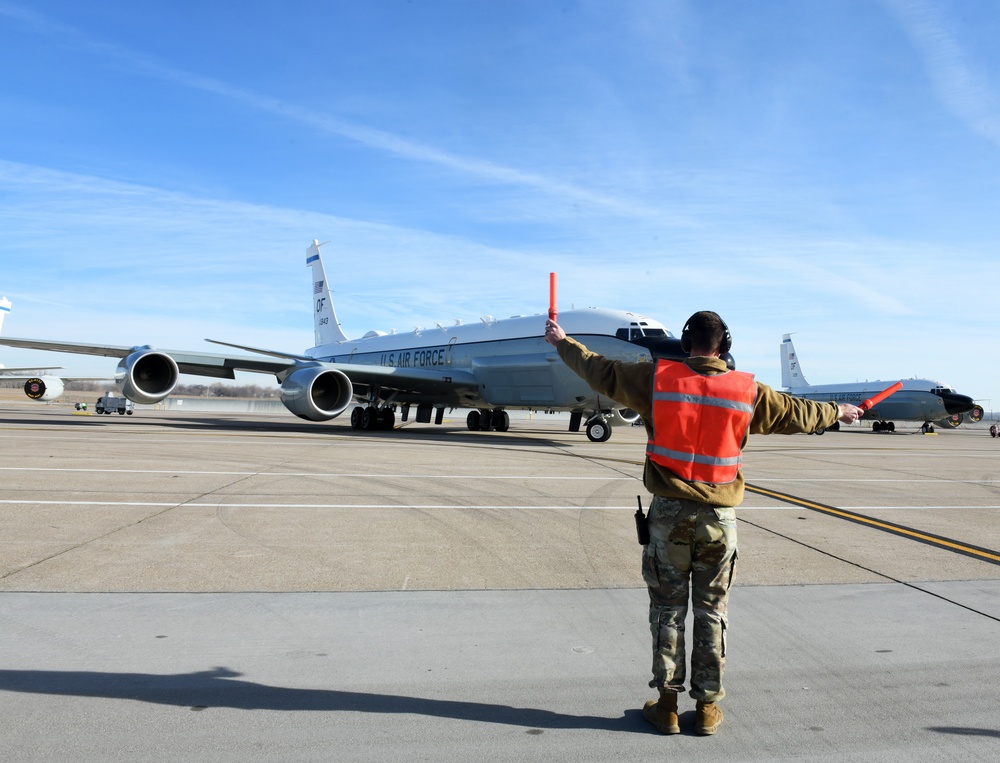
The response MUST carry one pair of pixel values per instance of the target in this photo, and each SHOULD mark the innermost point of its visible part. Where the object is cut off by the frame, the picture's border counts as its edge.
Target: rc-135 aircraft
(36, 385)
(490, 367)
(919, 399)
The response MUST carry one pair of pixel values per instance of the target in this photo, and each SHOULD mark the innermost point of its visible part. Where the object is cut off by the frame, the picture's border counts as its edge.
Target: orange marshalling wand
(873, 401)
(553, 312)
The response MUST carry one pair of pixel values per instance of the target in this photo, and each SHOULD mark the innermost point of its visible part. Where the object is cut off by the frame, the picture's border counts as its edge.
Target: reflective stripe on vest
(699, 421)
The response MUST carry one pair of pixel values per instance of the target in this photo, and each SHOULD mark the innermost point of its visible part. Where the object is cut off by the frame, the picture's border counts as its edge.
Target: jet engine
(976, 414)
(952, 421)
(627, 415)
(316, 393)
(44, 388)
(146, 376)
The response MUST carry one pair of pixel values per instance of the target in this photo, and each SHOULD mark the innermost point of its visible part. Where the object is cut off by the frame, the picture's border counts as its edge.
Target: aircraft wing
(196, 363)
(410, 380)
(436, 383)
(440, 383)
(25, 377)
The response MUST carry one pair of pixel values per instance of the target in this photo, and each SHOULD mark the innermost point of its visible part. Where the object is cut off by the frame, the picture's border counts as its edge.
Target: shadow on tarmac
(216, 688)
(965, 731)
(456, 433)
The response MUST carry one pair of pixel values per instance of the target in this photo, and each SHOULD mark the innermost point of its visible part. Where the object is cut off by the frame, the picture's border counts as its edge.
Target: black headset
(724, 346)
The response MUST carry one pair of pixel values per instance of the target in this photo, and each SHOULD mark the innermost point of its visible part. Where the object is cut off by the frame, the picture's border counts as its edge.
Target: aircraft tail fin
(327, 326)
(791, 372)
(4, 309)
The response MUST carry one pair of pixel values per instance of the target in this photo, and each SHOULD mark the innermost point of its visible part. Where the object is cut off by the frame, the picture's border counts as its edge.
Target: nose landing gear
(598, 429)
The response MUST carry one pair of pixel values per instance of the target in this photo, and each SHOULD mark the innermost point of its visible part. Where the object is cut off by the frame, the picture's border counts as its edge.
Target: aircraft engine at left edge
(44, 388)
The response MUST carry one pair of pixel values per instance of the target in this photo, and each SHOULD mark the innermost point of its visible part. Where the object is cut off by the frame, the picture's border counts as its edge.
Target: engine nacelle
(146, 376)
(952, 421)
(44, 388)
(316, 393)
(627, 416)
(976, 414)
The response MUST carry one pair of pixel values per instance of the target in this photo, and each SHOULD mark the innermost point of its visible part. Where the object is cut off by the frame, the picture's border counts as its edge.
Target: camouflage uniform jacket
(631, 385)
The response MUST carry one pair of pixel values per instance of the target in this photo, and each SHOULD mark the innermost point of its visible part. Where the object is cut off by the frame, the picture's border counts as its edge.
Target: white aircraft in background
(36, 385)
(489, 366)
(919, 400)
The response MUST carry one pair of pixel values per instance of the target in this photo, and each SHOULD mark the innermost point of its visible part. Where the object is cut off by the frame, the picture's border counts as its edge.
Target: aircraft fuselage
(918, 400)
(509, 360)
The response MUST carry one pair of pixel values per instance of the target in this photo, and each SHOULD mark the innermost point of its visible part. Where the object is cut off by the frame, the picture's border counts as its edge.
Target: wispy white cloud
(371, 137)
(963, 87)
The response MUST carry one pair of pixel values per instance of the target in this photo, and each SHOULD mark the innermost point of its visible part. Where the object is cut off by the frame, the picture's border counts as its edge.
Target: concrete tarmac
(220, 587)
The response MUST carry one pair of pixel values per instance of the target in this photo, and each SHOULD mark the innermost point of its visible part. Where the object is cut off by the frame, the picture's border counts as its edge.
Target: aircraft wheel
(369, 418)
(598, 431)
(501, 421)
(356, 415)
(486, 420)
(386, 419)
(472, 421)
(891, 426)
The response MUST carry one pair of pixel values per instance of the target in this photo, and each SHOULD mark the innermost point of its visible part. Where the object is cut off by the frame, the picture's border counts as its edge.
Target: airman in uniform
(698, 415)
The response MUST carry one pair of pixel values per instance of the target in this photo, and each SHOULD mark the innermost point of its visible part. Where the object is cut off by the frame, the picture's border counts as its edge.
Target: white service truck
(109, 403)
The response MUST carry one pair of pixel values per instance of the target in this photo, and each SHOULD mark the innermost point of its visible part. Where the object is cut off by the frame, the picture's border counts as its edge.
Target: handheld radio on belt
(641, 524)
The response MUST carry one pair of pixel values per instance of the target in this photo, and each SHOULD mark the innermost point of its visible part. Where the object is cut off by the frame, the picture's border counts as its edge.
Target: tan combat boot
(708, 718)
(662, 713)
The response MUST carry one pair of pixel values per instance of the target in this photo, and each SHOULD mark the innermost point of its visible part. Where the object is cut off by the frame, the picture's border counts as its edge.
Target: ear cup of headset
(727, 340)
(724, 346)
(686, 339)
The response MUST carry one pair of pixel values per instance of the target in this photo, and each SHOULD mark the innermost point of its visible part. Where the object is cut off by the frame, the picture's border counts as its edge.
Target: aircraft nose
(670, 349)
(955, 403)
(666, 347)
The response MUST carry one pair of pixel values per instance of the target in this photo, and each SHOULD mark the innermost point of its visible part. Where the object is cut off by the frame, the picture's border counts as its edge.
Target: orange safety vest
(699, 421)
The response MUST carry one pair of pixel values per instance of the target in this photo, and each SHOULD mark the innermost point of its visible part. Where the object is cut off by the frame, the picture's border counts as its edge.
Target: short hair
(706, 331)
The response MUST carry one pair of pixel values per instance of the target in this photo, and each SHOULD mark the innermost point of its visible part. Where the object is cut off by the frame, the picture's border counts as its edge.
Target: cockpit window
(638, 331)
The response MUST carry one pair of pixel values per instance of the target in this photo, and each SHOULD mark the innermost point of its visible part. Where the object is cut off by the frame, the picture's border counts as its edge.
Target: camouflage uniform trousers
(692, 548)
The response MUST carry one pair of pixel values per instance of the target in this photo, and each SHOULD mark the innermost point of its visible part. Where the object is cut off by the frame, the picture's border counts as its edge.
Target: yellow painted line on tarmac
(949, 544)
(890, 527)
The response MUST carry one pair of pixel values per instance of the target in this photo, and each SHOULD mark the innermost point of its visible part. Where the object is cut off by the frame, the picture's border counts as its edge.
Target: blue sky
(826, 168)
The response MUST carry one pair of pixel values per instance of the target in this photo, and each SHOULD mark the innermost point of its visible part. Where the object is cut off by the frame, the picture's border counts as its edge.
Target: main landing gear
(371, 418)
(485, 419)
(883, 426)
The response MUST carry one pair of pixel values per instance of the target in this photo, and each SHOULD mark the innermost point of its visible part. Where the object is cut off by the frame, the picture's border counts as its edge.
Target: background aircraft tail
(4, 309)
(791, 373)
(327, 326)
